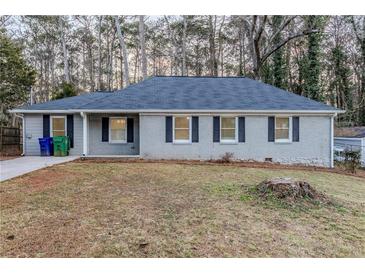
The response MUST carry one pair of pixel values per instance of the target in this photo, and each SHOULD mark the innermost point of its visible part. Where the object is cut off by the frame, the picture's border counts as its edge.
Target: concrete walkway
(22, 165)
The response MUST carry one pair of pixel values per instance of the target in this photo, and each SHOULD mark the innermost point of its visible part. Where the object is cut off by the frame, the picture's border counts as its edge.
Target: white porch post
(84, 133)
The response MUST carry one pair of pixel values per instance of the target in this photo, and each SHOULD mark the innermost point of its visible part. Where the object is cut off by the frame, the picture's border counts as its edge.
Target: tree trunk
(111, 78)
(172, 49)
(83, 67)
(143, 46)
(183, 71)
(213, 66)
(99, 54)
(91, 68)
(362, 90)
(121, 69)
(136, 66)
(108, 63)
(220, 46)
(64, 49)
(124, 50)
(241, 50)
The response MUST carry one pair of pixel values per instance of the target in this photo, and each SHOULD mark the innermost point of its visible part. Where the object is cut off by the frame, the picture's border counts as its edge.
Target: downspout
(21, 116)
(332, 165)
(84, 133)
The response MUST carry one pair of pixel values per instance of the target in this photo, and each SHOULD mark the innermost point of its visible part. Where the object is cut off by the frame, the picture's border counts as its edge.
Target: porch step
(112, 156)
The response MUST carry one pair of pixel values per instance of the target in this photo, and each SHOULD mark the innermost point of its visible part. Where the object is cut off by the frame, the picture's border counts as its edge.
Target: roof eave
(335, 111)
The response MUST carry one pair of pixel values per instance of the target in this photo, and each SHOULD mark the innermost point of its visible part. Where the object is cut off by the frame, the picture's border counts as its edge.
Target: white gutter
(349, 138)
(23, 130)
(41, 111)
(177, 111)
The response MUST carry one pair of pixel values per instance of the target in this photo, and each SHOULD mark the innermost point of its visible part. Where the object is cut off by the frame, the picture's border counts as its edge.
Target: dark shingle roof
(74, 102)
(190, 93)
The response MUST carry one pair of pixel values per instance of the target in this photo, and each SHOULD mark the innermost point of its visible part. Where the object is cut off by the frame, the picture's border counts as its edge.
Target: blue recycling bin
(46, 146)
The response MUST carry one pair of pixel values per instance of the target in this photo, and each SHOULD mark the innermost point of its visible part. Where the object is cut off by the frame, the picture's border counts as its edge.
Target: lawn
(90, 209)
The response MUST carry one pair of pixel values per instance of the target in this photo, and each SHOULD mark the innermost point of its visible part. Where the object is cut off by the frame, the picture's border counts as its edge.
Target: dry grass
(90, 209)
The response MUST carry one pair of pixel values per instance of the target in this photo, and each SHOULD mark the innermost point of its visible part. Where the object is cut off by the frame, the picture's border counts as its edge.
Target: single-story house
(188, 118)
(350, 138)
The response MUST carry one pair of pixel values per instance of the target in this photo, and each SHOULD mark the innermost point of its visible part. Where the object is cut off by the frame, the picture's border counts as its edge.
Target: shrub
(64, 90)
(226, 157)
(352, 160)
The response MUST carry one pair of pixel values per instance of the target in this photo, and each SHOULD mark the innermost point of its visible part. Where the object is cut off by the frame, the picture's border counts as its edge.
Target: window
(118, 130)
(182, 126)
(228, 129)
(282, 129)
(58, 126)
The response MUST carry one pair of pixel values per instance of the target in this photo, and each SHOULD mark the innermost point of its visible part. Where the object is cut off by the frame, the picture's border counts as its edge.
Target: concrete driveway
(22, 165)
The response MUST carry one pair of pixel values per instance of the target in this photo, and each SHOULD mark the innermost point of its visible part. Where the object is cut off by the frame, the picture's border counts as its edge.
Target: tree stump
(289, 189)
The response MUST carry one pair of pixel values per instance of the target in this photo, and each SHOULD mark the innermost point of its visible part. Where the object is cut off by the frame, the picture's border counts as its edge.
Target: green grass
(176, 210)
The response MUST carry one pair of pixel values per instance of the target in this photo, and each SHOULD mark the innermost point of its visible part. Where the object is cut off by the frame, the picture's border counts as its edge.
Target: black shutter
(105, 129)
(271, 129)
(216, 129)
(168, 129)
(195, 129)
(241, 130)
(296, 129)
(130, 130)
(46, 125)
(70, 129)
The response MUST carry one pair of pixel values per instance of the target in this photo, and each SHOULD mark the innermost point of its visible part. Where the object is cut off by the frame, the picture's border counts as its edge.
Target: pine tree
(15, 74)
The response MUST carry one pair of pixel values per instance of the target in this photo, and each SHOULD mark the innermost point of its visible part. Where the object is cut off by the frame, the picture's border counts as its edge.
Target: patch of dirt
(44, 178)
(290, 190)
(37, 181)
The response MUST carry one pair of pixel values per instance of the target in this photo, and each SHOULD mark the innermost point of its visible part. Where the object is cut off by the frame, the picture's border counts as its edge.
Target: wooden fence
(11, 141)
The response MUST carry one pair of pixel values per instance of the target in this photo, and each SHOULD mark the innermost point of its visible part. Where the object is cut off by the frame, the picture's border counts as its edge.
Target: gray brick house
(188, 118)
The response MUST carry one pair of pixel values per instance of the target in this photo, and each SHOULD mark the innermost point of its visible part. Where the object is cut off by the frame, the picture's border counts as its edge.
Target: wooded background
(321, 57)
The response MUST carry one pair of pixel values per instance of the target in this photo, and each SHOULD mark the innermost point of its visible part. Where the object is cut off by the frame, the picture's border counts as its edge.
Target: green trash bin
(61, 146)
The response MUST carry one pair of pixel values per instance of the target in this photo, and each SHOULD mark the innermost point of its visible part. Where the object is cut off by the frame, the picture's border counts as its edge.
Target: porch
(110, 134)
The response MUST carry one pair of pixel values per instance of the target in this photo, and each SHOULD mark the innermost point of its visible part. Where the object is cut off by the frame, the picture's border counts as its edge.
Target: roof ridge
(194, 76)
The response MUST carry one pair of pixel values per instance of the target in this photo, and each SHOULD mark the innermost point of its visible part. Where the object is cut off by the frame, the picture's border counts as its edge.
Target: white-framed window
(182, 129)
(58, 126)
(117, 129)
(283, 126)
(229, 129)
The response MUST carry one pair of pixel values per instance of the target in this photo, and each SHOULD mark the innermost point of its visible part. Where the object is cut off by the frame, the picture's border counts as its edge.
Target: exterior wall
(314, 147)
(352, 144)
(97, 147)
(33, 124)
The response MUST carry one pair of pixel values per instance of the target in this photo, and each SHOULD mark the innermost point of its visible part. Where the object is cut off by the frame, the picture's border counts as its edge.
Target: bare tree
(184, 72)
(143, 46)
(90, 52)
(261, 50)
(124, 50)
(213, 64)
(64, 49)
(173, 48)
(99, 52)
